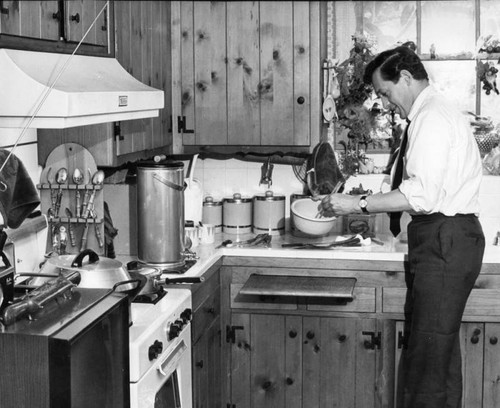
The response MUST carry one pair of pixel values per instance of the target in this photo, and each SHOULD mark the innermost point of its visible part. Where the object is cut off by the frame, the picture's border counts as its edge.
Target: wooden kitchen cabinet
(57, 26)
(143, 49)
(206, 341)
(247, 73)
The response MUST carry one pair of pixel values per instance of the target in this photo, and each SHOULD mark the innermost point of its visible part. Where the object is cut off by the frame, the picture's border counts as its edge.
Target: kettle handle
(93, 258)
(169, 183)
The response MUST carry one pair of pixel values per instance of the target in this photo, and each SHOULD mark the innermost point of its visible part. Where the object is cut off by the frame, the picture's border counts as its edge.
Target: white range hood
(90, 90)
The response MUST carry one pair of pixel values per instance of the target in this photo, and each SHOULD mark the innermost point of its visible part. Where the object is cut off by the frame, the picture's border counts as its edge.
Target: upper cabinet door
(54, 26)
(249, 73)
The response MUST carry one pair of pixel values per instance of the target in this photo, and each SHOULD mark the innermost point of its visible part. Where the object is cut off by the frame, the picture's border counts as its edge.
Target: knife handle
(71, 234)
(78, 205)
(83, 244)
(98, 235)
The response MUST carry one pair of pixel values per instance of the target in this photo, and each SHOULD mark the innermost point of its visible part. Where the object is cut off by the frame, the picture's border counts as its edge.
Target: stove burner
(151, 298)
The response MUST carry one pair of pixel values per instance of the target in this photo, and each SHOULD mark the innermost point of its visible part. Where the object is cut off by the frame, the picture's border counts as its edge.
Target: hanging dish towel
(18, 195)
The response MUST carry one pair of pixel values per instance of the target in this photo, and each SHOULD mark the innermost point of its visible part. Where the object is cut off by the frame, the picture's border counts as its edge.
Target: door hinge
(117, 130)
(402, 340)
(228, 405)
(181, 125)
(375, 340)
(231, 333)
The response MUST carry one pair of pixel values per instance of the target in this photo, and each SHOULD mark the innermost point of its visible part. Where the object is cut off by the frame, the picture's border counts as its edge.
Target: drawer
(363, 301)
(481, 302)
(205, 314)
(239, 301)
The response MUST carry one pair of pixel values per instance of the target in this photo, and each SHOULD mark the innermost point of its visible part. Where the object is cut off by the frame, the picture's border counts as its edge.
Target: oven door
(168, 383)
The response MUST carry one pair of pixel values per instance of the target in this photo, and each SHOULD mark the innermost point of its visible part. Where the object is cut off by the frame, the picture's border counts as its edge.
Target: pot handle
(93, 258)
(169, 183)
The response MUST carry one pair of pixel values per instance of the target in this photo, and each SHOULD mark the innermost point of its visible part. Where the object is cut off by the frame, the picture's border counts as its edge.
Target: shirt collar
(422, 96)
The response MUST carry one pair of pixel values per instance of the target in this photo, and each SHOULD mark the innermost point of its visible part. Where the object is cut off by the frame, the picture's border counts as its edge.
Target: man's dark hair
(392, 62)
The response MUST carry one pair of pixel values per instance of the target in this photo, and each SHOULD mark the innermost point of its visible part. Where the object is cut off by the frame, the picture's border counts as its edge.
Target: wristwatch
(363, 203)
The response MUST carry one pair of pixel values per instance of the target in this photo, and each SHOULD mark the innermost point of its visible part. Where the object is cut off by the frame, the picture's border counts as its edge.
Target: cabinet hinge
(231, 333)
(375, 340)
(228, 405)
(181, 125)
(117, 130)
(402, 340)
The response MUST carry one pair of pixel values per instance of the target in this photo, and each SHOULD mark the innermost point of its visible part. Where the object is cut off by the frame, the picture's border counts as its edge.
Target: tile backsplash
(223, 178)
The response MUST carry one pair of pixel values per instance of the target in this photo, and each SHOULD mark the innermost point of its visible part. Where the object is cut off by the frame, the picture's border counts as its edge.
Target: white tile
(214, 164)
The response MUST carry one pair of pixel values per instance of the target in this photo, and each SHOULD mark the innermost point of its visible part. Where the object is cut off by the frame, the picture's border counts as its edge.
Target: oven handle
(165, 368)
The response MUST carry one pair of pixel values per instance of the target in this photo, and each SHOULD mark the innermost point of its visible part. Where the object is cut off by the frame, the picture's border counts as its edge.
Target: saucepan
(95, 272)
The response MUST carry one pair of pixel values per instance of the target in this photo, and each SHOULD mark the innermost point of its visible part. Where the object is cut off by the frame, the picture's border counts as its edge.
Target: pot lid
(269, 196)
(237, 199)
(210, 202)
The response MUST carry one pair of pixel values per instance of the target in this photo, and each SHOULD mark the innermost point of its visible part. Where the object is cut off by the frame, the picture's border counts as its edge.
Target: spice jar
(237, 214)
(269, 214)
(212, 213)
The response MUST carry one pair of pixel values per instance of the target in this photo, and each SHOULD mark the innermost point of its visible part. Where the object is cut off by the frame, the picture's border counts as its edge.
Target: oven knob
(155, 350)
(186, 315)
(180, 323)
(174, 331)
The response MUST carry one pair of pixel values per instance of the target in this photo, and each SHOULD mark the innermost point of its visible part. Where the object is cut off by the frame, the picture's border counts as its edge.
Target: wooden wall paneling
(188, 94)
(162, 74)
(240, 362)
(491, 395)
(10, 23)
(48, 25)
(317, 45)
(276, 86)
(74, 29)
(293, 362)
(267, 361)
(30, 18)
(301, 73)
(243, 73)
(89, 13)
(146, 45)
(101, 35)
(311, 369)
(210, 72)
(99, 141)
(472, 365)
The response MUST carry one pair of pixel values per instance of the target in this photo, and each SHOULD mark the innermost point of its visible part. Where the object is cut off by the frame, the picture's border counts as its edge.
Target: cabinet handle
(493, 340)
(57, 16)
(342, 338)
(210, 310)
(292, 333)
(475, 336)
(199, 364)
(75, 18)
(301, 100)
(310, 335)
(289, 381)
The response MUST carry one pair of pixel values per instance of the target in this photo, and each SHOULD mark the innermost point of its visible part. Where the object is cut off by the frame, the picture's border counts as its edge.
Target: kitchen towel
(18, 195)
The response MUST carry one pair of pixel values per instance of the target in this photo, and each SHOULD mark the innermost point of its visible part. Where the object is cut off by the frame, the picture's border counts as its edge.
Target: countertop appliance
(73, 353)
(160, 351)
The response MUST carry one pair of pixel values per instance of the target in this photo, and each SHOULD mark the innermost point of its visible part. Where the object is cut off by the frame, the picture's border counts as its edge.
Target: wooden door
(491, 394)
(23, 18)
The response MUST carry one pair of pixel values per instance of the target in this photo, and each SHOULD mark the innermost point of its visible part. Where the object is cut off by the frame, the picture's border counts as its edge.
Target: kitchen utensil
(320, 213)
(97, 180)
(78, 180)
(329, 107)
(61, 178)
(207, 232)
(160, 213)
(97, 229)
(258, 239)
(85, 233)
(193, 195)
(86, 197)
(71, 231)
(269, 213)
(212, 213)
(237, 214)
(95, 271)
(352, 241)
(304, 211)
(192, 234)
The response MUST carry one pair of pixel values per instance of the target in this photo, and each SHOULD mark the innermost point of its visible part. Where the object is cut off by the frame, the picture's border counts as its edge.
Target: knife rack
(88, 232)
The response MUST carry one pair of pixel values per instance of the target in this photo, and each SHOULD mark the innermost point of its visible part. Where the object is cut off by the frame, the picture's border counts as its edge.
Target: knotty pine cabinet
(56, 26)
(298, 352)
(142, 46)
(247, 73)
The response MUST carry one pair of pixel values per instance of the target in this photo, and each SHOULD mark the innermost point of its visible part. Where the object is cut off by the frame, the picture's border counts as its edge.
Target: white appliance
(160, 352)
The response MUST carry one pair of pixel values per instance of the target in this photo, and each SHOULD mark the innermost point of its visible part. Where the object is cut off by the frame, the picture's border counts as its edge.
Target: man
(441, 175)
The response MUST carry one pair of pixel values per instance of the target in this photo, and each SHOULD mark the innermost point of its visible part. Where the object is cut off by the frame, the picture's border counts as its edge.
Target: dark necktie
(395, 217)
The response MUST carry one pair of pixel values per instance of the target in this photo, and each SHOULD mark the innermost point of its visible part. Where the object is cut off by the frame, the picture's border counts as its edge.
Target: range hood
(90, 90)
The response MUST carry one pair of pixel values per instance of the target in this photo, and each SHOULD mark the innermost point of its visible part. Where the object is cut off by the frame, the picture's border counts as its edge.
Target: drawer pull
(199, 364)
(310, 335)
(493, 340)
(292, 333)
(475, 336)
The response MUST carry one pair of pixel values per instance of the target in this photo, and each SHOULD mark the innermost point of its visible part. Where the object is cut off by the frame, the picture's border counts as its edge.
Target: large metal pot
(95, 272)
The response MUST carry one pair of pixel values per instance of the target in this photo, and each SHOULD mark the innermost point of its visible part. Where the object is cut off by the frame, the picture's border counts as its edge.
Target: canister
(237, 214)
(160, 213)
(293, 230)
(269, 213)
(212, 213)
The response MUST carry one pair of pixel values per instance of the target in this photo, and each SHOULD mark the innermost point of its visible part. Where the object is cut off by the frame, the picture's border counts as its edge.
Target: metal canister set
(238, 214)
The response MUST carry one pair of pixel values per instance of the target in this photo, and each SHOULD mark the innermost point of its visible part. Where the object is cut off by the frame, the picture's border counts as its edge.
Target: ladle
(61, 178)
(97, 180)
(77, 179)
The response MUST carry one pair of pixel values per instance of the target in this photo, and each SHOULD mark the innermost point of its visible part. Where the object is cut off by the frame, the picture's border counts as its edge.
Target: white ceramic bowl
(305, 211)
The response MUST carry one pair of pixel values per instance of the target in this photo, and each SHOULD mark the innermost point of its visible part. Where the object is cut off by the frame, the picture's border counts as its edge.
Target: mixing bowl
(305, 211)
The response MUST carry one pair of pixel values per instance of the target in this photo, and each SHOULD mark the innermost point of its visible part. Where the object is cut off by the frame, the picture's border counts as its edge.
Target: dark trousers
(445, 256)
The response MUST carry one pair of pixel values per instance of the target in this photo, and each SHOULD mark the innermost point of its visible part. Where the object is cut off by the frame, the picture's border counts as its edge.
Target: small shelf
(74, 220)
(306, 286)
(52, 186)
